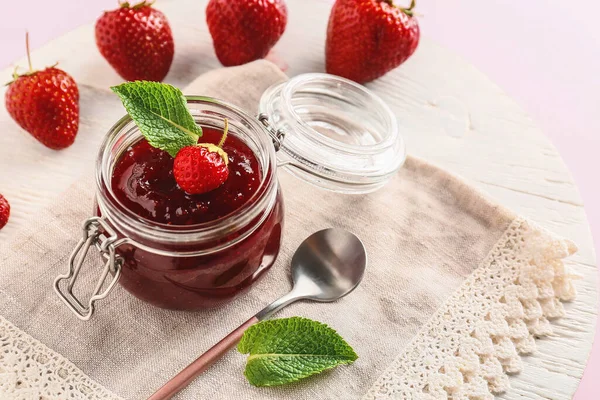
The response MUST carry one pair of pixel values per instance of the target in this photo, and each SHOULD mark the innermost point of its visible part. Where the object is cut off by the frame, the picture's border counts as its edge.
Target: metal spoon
(328, 265)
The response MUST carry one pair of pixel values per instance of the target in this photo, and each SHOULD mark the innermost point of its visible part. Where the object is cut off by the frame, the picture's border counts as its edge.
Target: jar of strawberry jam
(190, 252)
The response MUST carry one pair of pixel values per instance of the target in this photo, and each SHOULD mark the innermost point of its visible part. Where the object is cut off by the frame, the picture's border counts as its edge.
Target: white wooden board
(450, 113)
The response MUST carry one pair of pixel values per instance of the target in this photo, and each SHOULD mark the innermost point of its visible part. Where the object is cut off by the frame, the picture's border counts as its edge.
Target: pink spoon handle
(202, 363)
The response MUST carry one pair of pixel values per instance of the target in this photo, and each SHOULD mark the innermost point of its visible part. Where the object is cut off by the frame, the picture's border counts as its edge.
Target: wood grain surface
(449, 112)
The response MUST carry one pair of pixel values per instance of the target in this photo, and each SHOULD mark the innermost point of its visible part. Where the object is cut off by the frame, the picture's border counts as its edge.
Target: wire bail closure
(276, 135)
(96, 232)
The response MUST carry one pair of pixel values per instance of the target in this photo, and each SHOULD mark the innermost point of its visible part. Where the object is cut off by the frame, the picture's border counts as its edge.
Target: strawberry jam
(143, 181)
(212, 270)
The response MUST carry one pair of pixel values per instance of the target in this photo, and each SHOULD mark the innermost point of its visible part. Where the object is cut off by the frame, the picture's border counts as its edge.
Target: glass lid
(338, 134)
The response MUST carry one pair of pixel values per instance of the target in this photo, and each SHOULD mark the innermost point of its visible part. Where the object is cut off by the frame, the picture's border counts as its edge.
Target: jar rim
(263, 199)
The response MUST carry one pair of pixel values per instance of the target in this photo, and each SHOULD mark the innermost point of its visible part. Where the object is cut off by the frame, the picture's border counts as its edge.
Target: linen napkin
(456, 288)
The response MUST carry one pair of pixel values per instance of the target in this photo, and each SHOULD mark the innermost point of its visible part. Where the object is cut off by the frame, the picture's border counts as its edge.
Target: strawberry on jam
(143, 182)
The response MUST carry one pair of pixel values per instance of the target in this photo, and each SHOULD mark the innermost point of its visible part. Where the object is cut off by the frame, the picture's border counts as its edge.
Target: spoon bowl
(328, 265)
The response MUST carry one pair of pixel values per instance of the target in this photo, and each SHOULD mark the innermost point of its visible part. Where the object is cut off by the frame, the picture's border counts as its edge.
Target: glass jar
(329, 131)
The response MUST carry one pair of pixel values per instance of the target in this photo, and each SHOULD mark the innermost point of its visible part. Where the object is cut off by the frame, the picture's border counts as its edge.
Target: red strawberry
(245, 30)
(201, 168)
(137, 41)
(368, 38)
(46, 104)
(4, 211)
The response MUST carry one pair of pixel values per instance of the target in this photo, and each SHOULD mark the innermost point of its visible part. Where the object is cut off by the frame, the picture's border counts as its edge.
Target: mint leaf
(289, 349)
(161, 113)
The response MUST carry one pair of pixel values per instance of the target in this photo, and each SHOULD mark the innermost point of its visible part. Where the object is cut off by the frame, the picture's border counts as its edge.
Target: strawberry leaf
(289, 349)
(161, 113)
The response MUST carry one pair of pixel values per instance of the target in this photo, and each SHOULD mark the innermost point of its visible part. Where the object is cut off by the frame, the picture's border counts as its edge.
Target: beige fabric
(425, 233)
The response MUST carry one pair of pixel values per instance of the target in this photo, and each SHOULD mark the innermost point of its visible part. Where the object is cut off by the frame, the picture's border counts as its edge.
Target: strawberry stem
(28, 52)
(224, 137)
(409, 11)
(15, 74)
(144, 3)
(406, 10)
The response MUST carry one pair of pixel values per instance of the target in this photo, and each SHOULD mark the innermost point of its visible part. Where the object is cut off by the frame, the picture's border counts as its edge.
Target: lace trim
(471, 345)
(30, 370)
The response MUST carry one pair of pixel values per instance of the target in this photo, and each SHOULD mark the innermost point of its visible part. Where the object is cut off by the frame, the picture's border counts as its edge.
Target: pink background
(544, 53)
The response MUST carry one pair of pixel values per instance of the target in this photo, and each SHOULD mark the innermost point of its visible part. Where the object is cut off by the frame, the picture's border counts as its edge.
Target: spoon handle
(202, 363)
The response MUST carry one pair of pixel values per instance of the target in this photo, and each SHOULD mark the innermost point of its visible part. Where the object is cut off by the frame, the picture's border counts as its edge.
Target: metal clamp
(98, 233)
(276, 135)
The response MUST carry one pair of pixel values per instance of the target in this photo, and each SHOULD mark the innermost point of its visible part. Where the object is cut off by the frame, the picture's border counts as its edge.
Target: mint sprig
(289, 349)
(161, 113)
